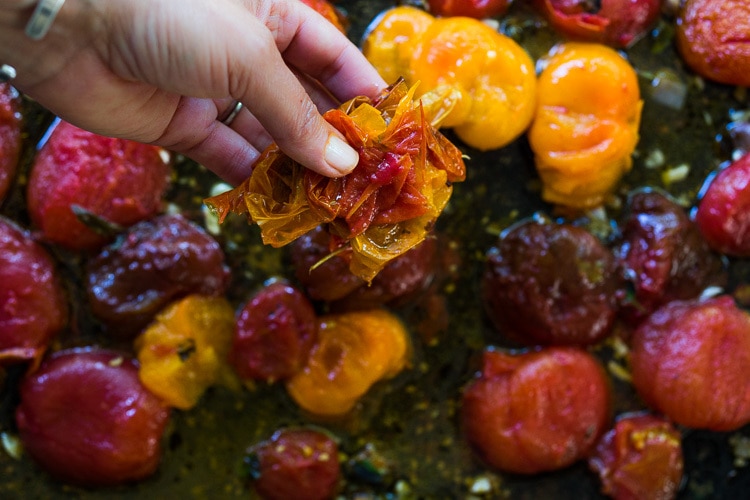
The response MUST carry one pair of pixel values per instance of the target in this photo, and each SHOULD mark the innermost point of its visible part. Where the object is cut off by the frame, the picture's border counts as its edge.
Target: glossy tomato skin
(86, 419)
(536, 411)
(10, 136)
(116, 180)
(663, 255)
(153, 263)
(550, 284)
(619, 23)
(690, 361)
(640, 457)
(295, 464)
(478, 9)
(33, 304)
(274, 333)
(713, 38)
(723, 215)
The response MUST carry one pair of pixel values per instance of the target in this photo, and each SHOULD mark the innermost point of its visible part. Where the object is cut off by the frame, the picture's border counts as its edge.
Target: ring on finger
(230, 114)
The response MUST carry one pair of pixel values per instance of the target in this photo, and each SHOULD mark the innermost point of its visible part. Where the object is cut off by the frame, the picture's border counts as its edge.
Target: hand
(163, 71)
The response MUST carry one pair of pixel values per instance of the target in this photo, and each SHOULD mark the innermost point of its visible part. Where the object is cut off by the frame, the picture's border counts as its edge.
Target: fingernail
(339, 155)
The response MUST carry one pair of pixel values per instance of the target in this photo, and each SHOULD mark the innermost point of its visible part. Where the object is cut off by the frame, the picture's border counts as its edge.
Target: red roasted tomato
(86, 419)
(79, 175)
(10, 136)
(536, 411)
(690, 360)
(478, 9)
(295, 464)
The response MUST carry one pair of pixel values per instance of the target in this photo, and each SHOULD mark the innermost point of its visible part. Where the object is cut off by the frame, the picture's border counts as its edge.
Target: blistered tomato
(723, 215)
(536, 411)
(10, 136)
(354, 351)
(690, 361)
(713, 37)
(586, 124)
(478, 9)
(184, 351)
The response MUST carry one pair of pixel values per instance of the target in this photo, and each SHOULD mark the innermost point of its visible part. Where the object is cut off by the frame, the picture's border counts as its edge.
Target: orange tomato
(354, 351)
(586, 123)
(184, 351)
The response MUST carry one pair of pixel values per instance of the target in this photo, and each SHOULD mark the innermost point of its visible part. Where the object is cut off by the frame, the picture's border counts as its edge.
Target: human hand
(164, 72)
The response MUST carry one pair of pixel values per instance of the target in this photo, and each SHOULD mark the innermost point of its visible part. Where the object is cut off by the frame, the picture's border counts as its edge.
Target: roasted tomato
(329, 11)
(691, 361)
(723, 215)
(295, 464)
(153, 263)
(536, 411)
(274, 333)
(641, 457)
(33, 306)
(478, 9)
(379, 211)
(354, 351)
(586, 124)
(547, 283)
(82, 182)
(619, 23)
(86, 419)
(663, 255)
(184, 350)
(713, 37)
(10, 136)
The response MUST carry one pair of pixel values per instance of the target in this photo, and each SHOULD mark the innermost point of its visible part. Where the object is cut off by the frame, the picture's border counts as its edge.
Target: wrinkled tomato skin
(10, 136)
(690, 360)
(713, 38)
(640, 457)
(536, 411)
(723, 215)
(478, 9)
(296, 464)
(274, 333)
(550, 284)
(33, 304)
(117, 180)
(154, 262)
(86, 419)
(618, 23)
(663, 255)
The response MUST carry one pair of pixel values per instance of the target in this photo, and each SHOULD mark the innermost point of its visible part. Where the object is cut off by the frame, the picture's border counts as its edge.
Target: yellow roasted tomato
(586, 124)
(184, 351)
(354, 351)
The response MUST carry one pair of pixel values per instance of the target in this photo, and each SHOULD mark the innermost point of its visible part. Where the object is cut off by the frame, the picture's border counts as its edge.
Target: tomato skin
(713, 39)
(478, 9)
(723, 215)
(274, 333)
(536, 411)
(619, 23)
(640, 457)
(296, 464)
(33, 304)
(690, 361)
(329, 11)
(85, 418)
(117, 180)
(10, 136)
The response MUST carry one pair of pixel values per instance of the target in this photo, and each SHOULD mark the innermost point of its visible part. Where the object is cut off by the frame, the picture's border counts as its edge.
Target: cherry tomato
(478, 9)
(295, 464)
(713, 37)
(274, 333)
(80, 174)
(33, 306)
(723, 215)
(86, 419)
(641, 457)
(690, 361)
(619, 23)
(536, 411)
(10, 136)
(329, 11)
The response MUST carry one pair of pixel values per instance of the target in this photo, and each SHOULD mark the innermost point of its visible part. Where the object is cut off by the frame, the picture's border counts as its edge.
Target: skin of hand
(164, 71)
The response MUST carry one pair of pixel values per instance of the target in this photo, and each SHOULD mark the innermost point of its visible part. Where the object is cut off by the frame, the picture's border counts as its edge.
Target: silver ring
(42, 18)
(231, 114)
